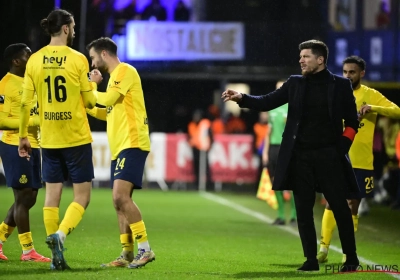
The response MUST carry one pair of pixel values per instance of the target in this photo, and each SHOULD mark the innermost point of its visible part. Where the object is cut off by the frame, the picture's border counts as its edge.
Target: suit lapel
(331, 93)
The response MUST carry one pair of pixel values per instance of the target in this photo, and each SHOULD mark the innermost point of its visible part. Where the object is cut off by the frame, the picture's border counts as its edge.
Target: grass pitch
(195, 238)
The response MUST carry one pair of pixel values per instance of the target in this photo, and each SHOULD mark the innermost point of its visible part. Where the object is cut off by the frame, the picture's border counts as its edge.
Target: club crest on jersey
(116, 83)
(23, 179)
(109, 109)
(2, 99)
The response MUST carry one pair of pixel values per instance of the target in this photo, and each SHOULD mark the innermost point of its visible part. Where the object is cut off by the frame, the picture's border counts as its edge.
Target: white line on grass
(269, 220)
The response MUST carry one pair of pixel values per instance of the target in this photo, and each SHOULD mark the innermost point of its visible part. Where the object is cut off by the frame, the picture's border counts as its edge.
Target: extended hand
(24, 148)
(365, 109)
(230, 94)
(95, 76)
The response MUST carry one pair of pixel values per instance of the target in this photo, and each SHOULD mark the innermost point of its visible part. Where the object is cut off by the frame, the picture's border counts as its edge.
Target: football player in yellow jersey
(370, 103)
(128, 137)
(21, 175)
(59, 75)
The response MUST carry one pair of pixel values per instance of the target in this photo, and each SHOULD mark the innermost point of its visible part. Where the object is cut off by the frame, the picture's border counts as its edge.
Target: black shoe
(350, 265)
(278, 222)
(293, 222)
(309, 266)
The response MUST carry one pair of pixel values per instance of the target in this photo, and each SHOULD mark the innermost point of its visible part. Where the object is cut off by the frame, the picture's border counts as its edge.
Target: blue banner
(377, 48)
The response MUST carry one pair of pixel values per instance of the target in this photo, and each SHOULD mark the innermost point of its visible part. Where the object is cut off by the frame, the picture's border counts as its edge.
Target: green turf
(193, 238)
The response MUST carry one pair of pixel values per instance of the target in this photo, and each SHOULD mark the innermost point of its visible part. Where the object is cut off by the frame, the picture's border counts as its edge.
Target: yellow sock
(72, 217)
(139, 231)
(328, 226)
(126, 242)
(51, 219)
(25, 239)
(355, 222)
(5, 231)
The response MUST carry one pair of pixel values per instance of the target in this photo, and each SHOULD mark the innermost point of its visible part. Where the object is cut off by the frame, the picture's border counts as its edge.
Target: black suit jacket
(342, 107)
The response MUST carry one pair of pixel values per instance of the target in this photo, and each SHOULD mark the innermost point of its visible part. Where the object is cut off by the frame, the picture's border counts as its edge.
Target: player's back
(59, 74)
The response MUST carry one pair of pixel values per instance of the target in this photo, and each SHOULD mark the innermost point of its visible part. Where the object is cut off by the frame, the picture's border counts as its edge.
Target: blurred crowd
(386, 149)
(114, 20)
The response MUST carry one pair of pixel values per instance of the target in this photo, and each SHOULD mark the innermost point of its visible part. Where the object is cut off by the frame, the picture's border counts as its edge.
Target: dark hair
(356, 60)
(103, 44)
(55, 20)
(13, 51)
(317, 47)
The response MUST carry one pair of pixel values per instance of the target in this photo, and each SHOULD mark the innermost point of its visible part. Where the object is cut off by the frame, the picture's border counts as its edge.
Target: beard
(309, 71)
(102, 67)
(355, 84)
(70, 40)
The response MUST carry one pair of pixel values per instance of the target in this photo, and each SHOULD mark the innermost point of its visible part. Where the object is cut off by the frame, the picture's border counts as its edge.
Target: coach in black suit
(313, 155)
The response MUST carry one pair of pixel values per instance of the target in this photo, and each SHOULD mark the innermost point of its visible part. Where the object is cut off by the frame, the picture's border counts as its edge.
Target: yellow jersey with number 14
(59, 74)
(127, 125)
(361, 153)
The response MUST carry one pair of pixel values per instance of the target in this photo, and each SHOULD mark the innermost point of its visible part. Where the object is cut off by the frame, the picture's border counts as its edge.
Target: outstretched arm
(265, 102)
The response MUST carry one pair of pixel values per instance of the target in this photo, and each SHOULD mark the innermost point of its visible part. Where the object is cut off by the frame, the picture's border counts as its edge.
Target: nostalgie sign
(181, 41)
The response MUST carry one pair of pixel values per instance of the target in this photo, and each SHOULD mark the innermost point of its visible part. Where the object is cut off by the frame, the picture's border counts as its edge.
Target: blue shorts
(129, 166)
(19, 172)
(365, 181)
(74, 162)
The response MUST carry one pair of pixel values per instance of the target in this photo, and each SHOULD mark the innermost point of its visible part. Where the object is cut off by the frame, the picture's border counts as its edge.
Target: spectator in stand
(154, 11)
(181, 13)
(260, 130)
(200, 139)
(383, 17)
(235, 125)
(121, 17)
(217, 124)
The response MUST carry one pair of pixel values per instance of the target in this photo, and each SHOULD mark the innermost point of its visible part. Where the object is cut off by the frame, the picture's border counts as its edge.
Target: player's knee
(25, 199)
(353, 204)
(82, 200)
(119, 200)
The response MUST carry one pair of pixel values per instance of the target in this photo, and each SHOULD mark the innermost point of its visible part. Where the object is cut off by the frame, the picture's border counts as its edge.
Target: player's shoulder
(78, 56)
(10, 85)
(370, 91)
(367, 88)
(9, 80)
(75, 53)
(126, 71)
(127, 68)
(36, 56)
(4, 81)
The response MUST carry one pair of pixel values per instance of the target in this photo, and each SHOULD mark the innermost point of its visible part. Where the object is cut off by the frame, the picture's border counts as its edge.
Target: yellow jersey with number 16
(127, 125)
(59, 75)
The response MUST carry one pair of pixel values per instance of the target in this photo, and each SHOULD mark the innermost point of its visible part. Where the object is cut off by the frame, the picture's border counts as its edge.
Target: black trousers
(320, 170)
